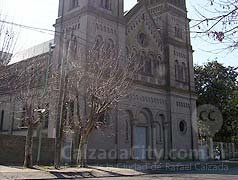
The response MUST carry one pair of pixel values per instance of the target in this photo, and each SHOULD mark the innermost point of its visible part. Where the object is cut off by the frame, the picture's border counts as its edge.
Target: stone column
(166, 141)
(154, 146)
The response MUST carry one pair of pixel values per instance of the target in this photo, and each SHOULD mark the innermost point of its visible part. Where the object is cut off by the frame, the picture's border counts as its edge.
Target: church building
(156, 121)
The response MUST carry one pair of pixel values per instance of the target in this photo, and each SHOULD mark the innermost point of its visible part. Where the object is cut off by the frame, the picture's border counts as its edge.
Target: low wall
(12, 150)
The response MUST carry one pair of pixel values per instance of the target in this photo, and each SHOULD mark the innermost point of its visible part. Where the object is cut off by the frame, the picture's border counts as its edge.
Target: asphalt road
(216, 171)
(177, 177)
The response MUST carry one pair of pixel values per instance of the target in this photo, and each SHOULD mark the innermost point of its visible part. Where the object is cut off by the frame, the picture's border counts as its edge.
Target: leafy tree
(218, 85)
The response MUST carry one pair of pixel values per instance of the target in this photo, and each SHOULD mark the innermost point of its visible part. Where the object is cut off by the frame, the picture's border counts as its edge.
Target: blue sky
(42, 13)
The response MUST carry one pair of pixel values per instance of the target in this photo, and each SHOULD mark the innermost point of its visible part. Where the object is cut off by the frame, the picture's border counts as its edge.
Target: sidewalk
(19, 173)
(119, 170)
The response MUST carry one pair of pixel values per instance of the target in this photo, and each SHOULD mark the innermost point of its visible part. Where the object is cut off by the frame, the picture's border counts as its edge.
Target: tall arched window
(106, 4)
(178, 31)
(98, 42)
(74, 3)
(176, 70)
(148, 66)
(127, 116)
(110, 44)
(141, 61)
(134, 53)
(184, 72)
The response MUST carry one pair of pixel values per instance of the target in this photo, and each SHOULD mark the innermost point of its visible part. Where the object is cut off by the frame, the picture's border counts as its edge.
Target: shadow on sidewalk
(62, 175)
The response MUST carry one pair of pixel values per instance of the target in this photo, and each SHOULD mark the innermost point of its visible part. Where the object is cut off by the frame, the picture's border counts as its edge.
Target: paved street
(211, 171)
(178, 177)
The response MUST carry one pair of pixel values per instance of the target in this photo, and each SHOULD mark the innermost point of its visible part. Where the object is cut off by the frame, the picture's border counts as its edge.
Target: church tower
(81, 24)
(91, 21)
(172, 16)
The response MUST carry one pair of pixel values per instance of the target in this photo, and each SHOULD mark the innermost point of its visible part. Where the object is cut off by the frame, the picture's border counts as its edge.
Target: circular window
(142, 39)
(182, 126)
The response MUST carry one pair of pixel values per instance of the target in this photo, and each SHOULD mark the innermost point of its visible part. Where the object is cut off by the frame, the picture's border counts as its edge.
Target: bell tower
(113, 7)
(83, 23)
(171, 15)
(90, 21)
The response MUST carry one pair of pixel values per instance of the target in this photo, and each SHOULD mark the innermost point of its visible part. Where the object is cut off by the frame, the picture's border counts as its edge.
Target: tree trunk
(28, 148)
(82, 151)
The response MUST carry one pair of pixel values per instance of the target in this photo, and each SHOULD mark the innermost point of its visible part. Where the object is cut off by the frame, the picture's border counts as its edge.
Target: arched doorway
(142, 135)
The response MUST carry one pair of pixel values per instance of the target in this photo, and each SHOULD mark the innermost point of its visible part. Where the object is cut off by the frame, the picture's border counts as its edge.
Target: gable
(142, 31)
(144, 42)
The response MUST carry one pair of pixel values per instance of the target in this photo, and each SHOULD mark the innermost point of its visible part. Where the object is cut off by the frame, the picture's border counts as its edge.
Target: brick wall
(12, 150)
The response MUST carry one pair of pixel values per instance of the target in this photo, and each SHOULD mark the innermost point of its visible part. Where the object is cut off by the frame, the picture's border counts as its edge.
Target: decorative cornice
(91, 10)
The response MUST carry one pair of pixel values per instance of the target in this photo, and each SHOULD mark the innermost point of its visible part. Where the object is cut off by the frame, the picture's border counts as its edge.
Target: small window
(183, 126)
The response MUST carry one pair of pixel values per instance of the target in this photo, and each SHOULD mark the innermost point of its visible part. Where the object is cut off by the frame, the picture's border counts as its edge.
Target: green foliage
(218, 85)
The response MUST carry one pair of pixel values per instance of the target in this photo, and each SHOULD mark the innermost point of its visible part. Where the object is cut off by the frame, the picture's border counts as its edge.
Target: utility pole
(58, 138)
(51, 47)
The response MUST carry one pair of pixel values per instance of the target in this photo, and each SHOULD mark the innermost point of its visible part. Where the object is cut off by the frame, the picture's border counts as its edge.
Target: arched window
(127, 52)
(110, 44)
(141, 61)
(127, 118)
(184, 72)
(74, 3)
(106, 4)
(178, 31)
(134, 53)
(176, 70)
(98, 42)
(148, 65)
(143, 118)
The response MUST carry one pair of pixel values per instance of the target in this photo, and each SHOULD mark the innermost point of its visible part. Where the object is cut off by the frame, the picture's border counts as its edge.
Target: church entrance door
(140, 143)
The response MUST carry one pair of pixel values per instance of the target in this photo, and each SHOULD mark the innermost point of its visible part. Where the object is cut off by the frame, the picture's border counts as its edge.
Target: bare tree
(8, 38)
(33, 98)
(32, 116)
(96, 87)
(218, 20)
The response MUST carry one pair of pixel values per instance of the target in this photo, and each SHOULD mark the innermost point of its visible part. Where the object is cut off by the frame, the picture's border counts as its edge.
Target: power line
(43, 30)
